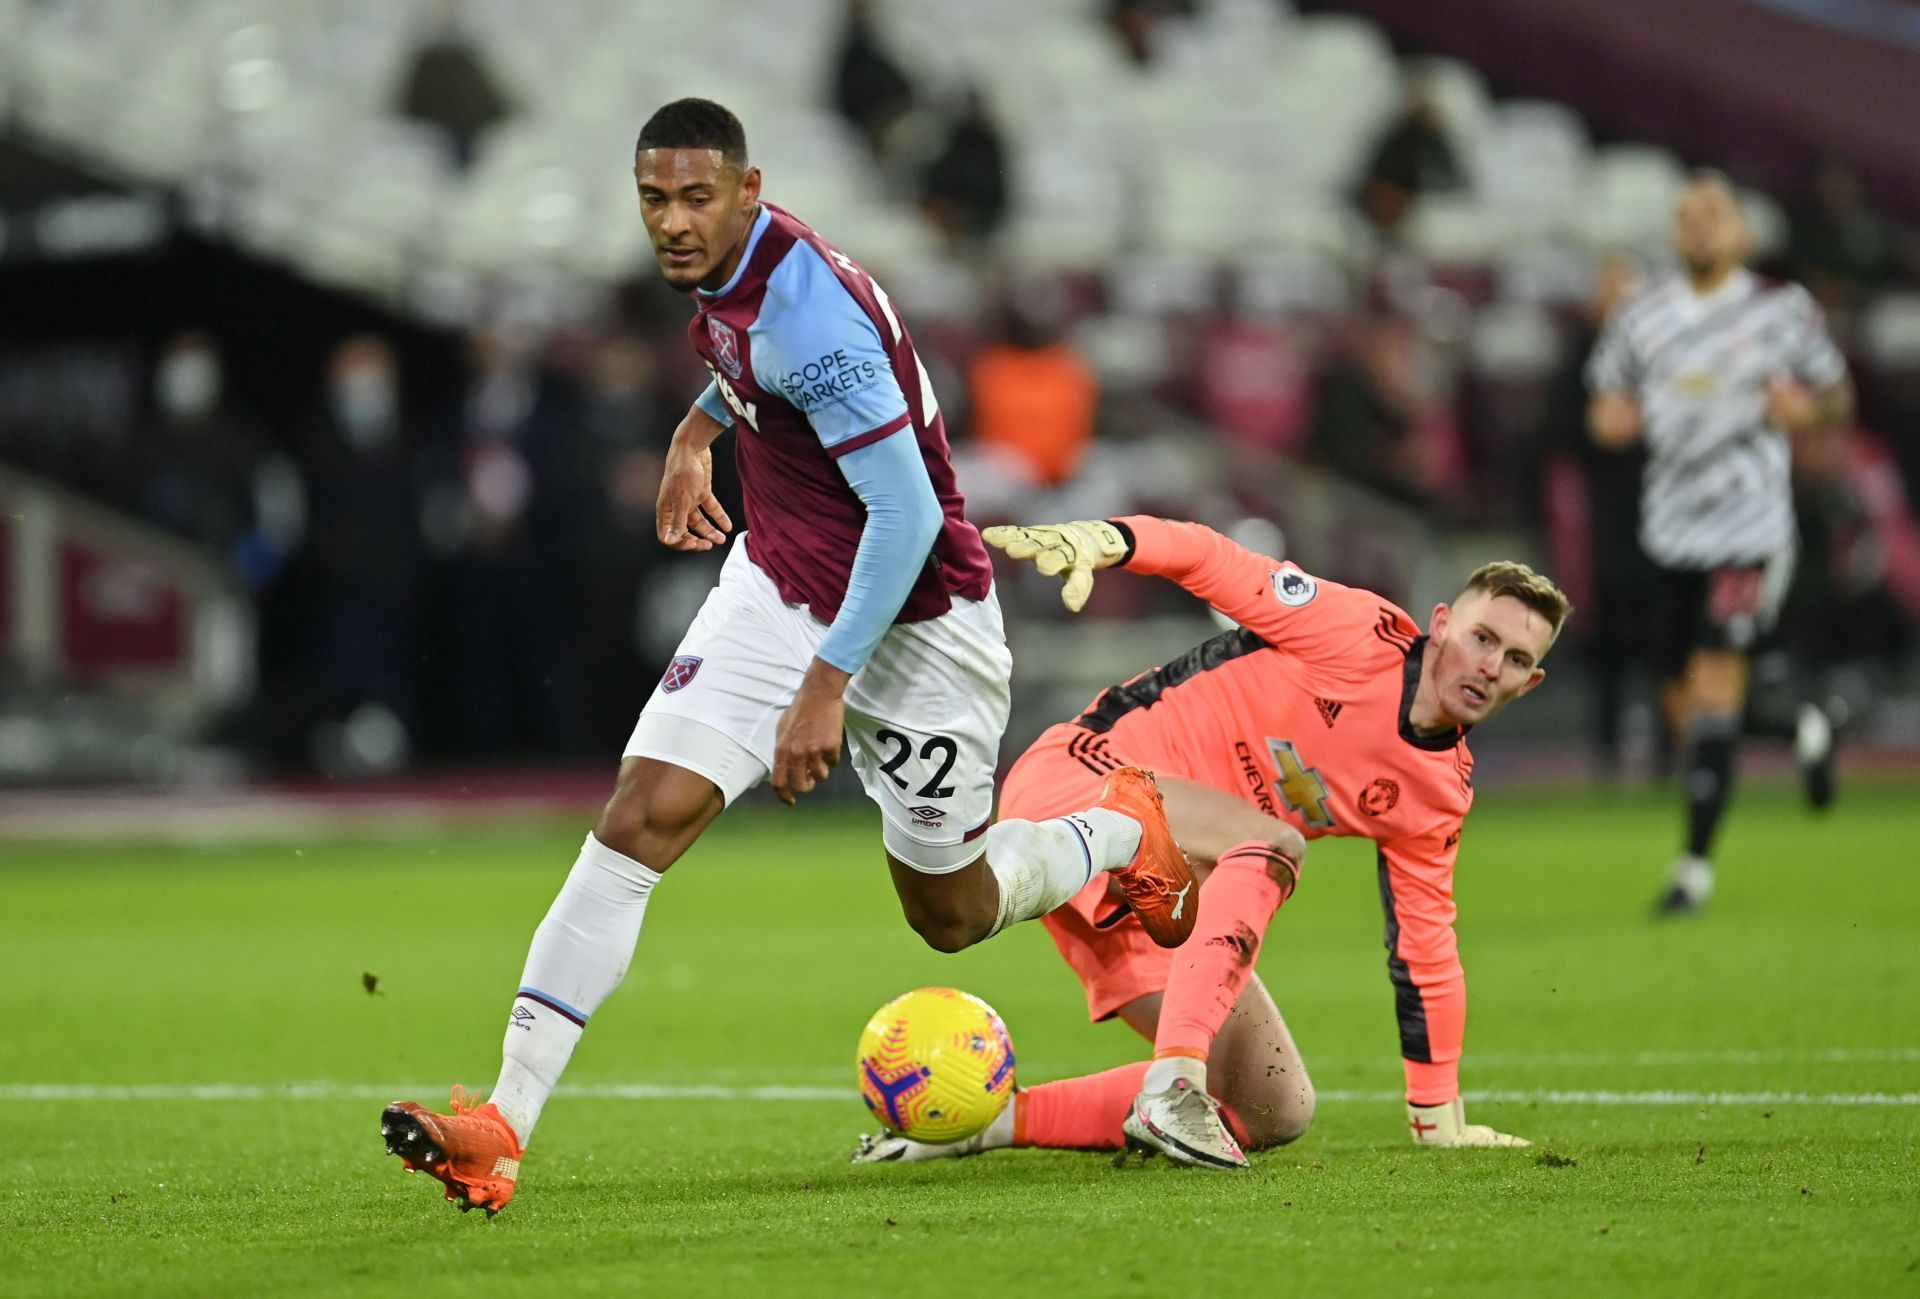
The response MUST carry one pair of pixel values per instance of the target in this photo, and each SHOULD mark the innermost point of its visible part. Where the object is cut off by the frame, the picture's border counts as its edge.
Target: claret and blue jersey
(845, 472)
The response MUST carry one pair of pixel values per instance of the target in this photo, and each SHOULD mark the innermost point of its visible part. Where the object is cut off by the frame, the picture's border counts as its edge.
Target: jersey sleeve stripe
(872, 435)
(1409, 1009)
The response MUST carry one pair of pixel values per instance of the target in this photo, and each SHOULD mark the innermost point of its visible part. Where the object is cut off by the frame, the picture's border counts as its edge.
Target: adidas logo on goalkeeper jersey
(1328, 710)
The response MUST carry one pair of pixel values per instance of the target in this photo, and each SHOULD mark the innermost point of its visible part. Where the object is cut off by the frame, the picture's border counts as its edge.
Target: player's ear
(1437, 625)
(750, 185)
(1535, 678)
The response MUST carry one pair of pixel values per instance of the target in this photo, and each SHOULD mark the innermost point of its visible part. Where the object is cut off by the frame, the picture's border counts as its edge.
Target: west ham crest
(680, 672)
(726, 346)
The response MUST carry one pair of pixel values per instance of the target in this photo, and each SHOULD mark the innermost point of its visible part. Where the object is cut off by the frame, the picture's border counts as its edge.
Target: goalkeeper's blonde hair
(1535, 590)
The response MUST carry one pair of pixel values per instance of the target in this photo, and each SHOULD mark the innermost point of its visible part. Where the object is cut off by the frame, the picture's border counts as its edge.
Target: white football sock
(999, 1133)
(1163, 1072)
(1040, 864)
(580, 953)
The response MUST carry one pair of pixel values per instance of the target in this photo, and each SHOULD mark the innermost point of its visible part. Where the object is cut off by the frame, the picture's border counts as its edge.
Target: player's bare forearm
(824, 680)
(688, 515)
(807, 744)
(1805, 413)
(698, 430)
(1613, 418)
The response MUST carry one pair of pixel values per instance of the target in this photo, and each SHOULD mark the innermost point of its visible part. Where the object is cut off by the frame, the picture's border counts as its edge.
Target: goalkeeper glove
(1075, 549)
(1446, 1126)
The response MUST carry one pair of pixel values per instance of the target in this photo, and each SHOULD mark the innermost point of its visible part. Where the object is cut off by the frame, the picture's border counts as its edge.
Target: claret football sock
(1040, 864)
(1211, 969)
(580, 953)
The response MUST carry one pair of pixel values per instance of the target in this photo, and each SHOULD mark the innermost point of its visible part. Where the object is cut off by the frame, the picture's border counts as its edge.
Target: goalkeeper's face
(1484, 654)
(698, 208)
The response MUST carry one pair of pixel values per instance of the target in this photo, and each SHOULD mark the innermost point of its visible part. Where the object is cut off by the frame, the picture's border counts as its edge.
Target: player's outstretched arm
(688, 516)
(1430, 987)
(1275, 600)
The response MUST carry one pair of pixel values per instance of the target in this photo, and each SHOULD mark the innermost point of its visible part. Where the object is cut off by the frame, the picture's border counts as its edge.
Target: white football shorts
(924, 715)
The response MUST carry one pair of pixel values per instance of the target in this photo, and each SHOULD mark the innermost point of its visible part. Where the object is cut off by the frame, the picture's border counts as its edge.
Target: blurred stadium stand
(1323, 282)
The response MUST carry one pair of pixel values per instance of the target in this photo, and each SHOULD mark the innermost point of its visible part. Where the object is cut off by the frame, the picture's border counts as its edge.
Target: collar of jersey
(1409, 686)
(760, 224)
(1737, 286)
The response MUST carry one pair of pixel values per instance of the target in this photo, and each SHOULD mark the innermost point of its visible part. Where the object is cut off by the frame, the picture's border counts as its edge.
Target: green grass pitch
(1734, 1101)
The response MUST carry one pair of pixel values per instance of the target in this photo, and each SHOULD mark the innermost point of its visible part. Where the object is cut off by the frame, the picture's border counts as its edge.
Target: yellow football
(935, 1064)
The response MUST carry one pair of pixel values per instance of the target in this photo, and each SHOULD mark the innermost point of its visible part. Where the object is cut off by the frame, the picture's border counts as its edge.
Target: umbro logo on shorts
(927, 813)
(680, 672)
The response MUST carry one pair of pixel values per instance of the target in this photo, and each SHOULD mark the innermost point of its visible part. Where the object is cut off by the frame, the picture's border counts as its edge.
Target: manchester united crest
(726, 346)
(1378, 798)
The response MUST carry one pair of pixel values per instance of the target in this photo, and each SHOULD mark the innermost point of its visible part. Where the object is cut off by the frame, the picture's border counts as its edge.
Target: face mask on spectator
(187, 385)
(364, 404)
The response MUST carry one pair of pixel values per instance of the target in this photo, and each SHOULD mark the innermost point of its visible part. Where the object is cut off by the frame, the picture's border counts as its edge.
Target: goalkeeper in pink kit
(1326, 712)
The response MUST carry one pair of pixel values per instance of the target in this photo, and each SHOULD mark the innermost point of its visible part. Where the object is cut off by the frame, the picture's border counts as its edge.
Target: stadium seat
(1514, 341)
(1459, 92)
(1529, 160)
(1627, 198)
(1457, 229)
(1549, 274)
(1766, 220)
(1281, 285)
(1162, 284)
(1890, 332)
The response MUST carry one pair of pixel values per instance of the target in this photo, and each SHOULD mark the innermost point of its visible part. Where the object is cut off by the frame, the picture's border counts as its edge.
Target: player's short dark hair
(1535, 590)
(696, 124)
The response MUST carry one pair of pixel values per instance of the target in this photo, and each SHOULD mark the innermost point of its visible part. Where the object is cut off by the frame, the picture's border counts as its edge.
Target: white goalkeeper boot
(1184, 1124)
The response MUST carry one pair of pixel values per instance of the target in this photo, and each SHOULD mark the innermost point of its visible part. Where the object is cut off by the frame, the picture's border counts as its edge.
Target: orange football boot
(1158, 882)
(472, 1151)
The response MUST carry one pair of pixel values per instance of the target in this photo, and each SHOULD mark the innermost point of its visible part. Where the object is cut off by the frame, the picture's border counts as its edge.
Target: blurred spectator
(203, 470)
(449, 85)
(627, 430)
(1603, 520)
(1134, 22)
(1840, 247)
(1839, 609)
(1256, 382)
(347, 700)
(1414, 157)
(963, 189)
(1380, 414)
(510, 464)
(1033, 398)
(870, 89)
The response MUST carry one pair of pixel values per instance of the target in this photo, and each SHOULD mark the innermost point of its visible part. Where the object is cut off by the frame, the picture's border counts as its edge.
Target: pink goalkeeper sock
(1211, 969)
(1078, 1113)
(1086, 1113)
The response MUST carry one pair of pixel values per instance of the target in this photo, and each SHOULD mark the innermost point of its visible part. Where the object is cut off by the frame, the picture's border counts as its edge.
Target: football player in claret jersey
(1326, 712)
(858, 600)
